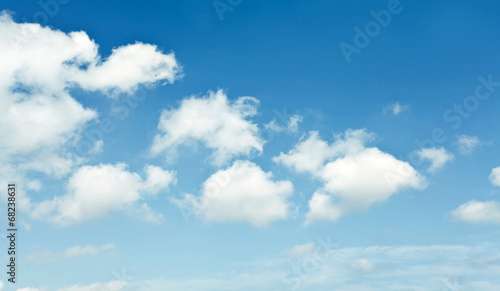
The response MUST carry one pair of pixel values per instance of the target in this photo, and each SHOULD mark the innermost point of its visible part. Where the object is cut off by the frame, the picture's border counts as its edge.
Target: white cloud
(39, 120)
(301, 250)
(76, 251)
(437, 156)
(34, 185)
(158, 179)
(94, 191)
(407, 267)
(495, 176)
(363, 266)
(108, 286)
(291, 126)
(126, 68)
(91, 250)
(395, 108)
(47, 256)
(478, 212)
(354, 176)
(467, 144)
(416, 268)
(243, 193)
(310, 154)
(215, 121)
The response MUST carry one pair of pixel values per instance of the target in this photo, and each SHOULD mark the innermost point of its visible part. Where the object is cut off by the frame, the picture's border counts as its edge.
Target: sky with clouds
(251, 145)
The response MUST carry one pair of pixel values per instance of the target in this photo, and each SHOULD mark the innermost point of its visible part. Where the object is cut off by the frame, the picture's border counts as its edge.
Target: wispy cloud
(395, 108)
(90, 250)
(467, 144)
(437, 156)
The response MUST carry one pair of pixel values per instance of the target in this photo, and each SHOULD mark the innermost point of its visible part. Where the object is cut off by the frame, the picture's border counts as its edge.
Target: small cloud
(438, 157)
(301, 250)
(34, 185)
(495, 176)
(87, 250)
(395, 108)
(291, 126)
(293, 123)
(26, 226)
(478, 212)
(97, 148)
(47, 257)
(72, 252)
(363, 266)
(467, 144)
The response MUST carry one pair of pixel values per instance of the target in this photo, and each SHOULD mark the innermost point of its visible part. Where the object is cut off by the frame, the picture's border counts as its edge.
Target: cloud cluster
(353, 175)
(94, 191)
(39, 118)
(220, 124)
(243, 193)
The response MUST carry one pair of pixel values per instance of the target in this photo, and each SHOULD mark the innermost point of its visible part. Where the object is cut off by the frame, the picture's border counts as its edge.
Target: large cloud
(244, 193)
(38, 117)
(215, 121)
(354, 176)
(94, 191)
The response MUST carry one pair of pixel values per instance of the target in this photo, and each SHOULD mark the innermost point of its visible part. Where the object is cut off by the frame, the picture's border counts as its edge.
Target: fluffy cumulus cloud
(94, 191)
(467, 144)
(478, 212)
(437, 156)
(495, 176)
(220, 124)
(354, 176)
(39, 119)
(242, 193)
(126, 68)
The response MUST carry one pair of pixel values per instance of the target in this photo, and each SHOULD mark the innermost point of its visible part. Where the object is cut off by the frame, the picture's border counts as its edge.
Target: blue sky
(236, 145)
